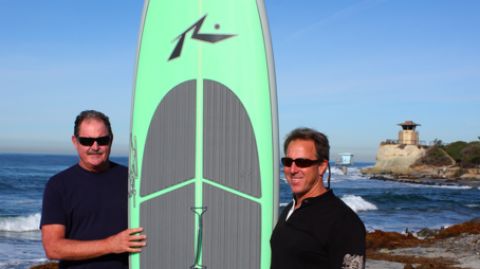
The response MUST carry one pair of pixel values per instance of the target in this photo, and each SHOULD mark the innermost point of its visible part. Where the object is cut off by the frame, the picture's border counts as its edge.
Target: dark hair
(320, 140)
(91, 114)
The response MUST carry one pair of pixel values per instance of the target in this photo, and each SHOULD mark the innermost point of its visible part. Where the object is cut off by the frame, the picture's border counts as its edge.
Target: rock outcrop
(396, 159)
(420, 164)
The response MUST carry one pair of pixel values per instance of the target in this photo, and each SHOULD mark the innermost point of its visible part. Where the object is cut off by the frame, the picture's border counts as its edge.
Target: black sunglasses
(300, 162)
(88, 141)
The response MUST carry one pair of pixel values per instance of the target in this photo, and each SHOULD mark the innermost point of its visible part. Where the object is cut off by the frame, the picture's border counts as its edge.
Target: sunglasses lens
(86, 141)
(287, 162)
(103, 141)
(304, 162)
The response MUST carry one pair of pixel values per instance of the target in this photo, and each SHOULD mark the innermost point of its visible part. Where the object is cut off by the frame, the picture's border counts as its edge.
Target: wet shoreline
(456, 182)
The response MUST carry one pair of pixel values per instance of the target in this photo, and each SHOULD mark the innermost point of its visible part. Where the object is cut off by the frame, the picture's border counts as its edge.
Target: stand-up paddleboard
(203, 158)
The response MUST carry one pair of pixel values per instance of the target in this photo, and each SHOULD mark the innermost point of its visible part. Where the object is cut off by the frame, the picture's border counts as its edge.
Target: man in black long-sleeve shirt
(317, 229)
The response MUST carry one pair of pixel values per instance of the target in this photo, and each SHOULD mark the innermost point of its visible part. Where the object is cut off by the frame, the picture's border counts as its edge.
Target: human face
(304, 182)
(93, 158)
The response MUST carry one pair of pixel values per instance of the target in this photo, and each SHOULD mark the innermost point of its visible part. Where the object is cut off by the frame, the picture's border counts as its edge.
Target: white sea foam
(357, 203)
(20, 224)
(336, 171)
(452, 187)
(352, 173)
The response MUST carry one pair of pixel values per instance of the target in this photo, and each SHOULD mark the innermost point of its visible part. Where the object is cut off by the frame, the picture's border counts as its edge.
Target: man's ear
(322, 167)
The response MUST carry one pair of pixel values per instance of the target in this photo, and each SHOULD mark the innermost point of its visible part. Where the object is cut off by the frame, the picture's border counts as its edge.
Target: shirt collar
(308, 201)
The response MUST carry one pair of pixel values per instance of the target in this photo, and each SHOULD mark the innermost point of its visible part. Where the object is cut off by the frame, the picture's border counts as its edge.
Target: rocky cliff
(420, 164)
(396, 159)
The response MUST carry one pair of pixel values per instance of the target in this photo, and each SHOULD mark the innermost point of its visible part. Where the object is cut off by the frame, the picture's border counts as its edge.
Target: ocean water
(384, 205)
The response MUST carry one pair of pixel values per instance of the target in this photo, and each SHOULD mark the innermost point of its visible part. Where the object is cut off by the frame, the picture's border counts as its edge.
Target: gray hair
(91, 114)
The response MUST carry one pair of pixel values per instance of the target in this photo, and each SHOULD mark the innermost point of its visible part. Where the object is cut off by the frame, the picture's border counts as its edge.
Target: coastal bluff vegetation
(457, 162)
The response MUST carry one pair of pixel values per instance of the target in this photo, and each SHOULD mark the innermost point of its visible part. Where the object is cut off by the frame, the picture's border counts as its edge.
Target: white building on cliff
(408, 135)
(396, 156)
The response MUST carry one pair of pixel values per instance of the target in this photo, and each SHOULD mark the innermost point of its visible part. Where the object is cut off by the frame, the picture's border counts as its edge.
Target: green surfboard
(203, 165)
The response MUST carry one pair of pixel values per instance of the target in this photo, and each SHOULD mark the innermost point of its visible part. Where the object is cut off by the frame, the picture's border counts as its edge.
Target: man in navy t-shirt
(84, 216)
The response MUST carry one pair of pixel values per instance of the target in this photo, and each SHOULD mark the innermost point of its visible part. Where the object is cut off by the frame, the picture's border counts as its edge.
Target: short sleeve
(347, 243)
(52, 208)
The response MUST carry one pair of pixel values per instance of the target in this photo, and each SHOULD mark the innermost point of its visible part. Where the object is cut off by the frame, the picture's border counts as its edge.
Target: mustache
(95, 152)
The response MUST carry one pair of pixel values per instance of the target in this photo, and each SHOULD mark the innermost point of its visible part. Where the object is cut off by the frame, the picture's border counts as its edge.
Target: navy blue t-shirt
(91, 206)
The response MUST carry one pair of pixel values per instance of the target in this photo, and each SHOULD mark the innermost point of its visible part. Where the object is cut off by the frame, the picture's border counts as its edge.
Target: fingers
(134, 230)
(134, 250)
(133, 234)
(137, 244)
(129, 240)
(136, 241)
(141, 237)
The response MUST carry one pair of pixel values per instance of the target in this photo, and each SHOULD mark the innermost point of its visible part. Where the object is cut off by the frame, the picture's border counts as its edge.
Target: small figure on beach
(317, 229)
(84, 220)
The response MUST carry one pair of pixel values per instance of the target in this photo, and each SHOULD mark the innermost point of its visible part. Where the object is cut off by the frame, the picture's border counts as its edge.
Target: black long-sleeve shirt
(322, 233)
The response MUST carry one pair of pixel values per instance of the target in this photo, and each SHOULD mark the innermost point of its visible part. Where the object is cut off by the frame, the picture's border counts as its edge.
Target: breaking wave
(20, 223)
(357, 203)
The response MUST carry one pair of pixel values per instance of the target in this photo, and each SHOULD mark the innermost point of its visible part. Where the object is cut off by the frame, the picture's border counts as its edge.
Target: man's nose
(293, 168)
(95, 145)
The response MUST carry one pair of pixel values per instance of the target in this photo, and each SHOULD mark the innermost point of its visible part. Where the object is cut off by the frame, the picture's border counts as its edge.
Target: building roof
(409, 123)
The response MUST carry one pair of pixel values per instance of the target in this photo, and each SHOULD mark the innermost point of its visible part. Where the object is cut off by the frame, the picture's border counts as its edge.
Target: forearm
(68, 249)
(61, 248)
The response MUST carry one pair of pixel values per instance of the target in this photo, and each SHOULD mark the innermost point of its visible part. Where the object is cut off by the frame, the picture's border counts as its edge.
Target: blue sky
(352, 69)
